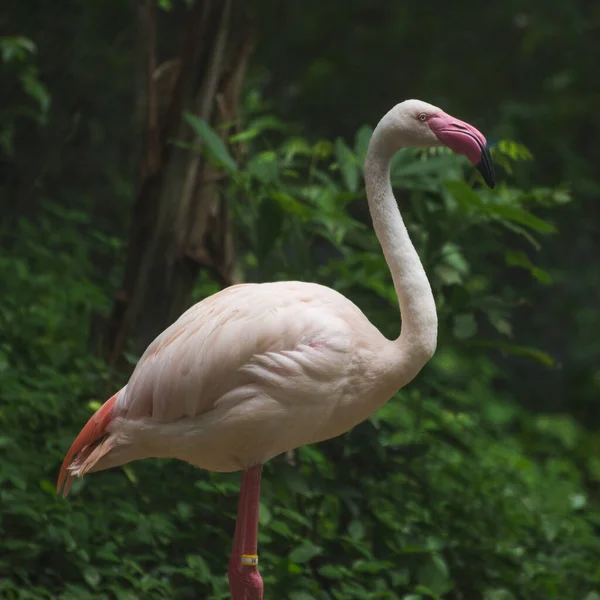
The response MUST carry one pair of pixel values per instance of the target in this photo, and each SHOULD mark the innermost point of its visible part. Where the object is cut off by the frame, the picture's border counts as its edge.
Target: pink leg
(245, 581)
(234, 571)
(252, 580)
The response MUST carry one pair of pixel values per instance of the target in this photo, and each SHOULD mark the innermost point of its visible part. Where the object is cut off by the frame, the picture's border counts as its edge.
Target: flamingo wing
(243, 361)
(210, 350)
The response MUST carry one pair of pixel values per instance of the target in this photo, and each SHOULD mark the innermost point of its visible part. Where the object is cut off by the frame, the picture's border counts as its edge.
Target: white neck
(418, 337)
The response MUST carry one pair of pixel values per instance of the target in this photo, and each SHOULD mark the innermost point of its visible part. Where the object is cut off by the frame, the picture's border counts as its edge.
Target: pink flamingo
(259, 369)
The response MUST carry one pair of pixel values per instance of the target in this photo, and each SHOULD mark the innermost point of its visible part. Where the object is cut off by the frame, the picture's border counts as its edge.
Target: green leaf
(294, 481)
(498, 594)
(447, 275)
(263, 166)
(301, 596)
(518, 215)
(522, 232)
(304, 553)
(427, 592)
(361, 142)
(296, 146)
(436, 166)
(453, 266)
(464, 194)
(562, 428)
(48, 487)
(281, 528)
(356, 530)
(243, 136)
(517, 350)
(198, 565)
(517, 259)
(7, 135)
(37, 90)
(94, 405)
(294, 515)
(184, 510)
(499, 321)
(541, 275)
(130, 474)
(264, 514)
(290, 205)
(16, 47)
(332, 572)
(92, 576)
(322, 149)
(454, 257)
(348, 166)
(213, 142)
(371, 566)
(514, 150)
(465, 326)
(468, 198)
(256, 127)
(520, 259)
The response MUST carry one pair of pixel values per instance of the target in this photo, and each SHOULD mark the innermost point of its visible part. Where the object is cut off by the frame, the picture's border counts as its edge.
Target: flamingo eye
(423, 117)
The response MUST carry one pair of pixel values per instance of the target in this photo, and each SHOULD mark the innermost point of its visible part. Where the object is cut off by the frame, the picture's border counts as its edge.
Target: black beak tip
(488, 176)
(486, 167)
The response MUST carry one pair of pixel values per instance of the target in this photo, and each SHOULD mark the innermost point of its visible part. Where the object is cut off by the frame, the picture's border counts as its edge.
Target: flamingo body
(244, 375)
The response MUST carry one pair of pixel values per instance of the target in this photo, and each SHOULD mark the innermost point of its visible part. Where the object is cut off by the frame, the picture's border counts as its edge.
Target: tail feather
(84, 444)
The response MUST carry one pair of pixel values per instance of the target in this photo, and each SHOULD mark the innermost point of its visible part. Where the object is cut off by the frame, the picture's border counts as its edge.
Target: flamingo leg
(234, 571)
(245, 582)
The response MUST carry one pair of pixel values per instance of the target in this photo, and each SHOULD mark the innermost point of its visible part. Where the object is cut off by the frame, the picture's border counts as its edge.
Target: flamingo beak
(486, 167)
(463, 138)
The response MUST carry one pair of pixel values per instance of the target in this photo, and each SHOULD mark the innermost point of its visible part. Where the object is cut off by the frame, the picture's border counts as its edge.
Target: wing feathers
(93, 430)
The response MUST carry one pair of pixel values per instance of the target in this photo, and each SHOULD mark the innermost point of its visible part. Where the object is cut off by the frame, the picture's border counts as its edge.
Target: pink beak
(463, 138)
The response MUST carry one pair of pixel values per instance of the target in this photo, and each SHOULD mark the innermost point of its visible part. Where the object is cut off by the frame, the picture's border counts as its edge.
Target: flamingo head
(423, 125)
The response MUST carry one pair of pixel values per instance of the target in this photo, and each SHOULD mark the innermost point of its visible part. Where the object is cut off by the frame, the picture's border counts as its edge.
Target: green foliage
(448, 491)
(212, 141)
(481, 479)
(18, 66)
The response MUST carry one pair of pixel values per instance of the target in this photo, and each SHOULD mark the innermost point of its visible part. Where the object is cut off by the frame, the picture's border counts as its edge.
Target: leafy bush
(450, 491)
(17, 60)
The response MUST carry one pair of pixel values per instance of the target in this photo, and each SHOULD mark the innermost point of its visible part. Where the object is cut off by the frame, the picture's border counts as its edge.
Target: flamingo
(259, 369)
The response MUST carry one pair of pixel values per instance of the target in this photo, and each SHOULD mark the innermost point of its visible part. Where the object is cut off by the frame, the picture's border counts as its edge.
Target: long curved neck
(418, 336)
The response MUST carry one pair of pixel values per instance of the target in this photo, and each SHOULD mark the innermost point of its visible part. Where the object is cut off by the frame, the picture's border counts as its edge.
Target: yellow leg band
(250, 560)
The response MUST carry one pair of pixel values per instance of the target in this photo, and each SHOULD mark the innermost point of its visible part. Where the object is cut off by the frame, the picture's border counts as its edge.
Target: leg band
(250, 560)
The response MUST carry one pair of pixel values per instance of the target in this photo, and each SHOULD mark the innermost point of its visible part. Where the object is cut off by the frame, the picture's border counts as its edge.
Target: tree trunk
(180, 222)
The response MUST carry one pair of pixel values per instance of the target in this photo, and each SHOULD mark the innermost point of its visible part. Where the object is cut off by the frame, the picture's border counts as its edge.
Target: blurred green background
(153, 153)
